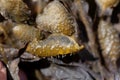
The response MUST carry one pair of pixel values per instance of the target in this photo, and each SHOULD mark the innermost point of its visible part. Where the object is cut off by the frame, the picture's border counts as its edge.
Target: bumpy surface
(55, 44)
(26, 33)
(56, 19)
(16, 10)
(109, 41)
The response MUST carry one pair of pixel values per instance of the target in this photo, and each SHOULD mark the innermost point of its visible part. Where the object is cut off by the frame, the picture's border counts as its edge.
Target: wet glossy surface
(26, 33)
(56, 19)
(55, 44)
